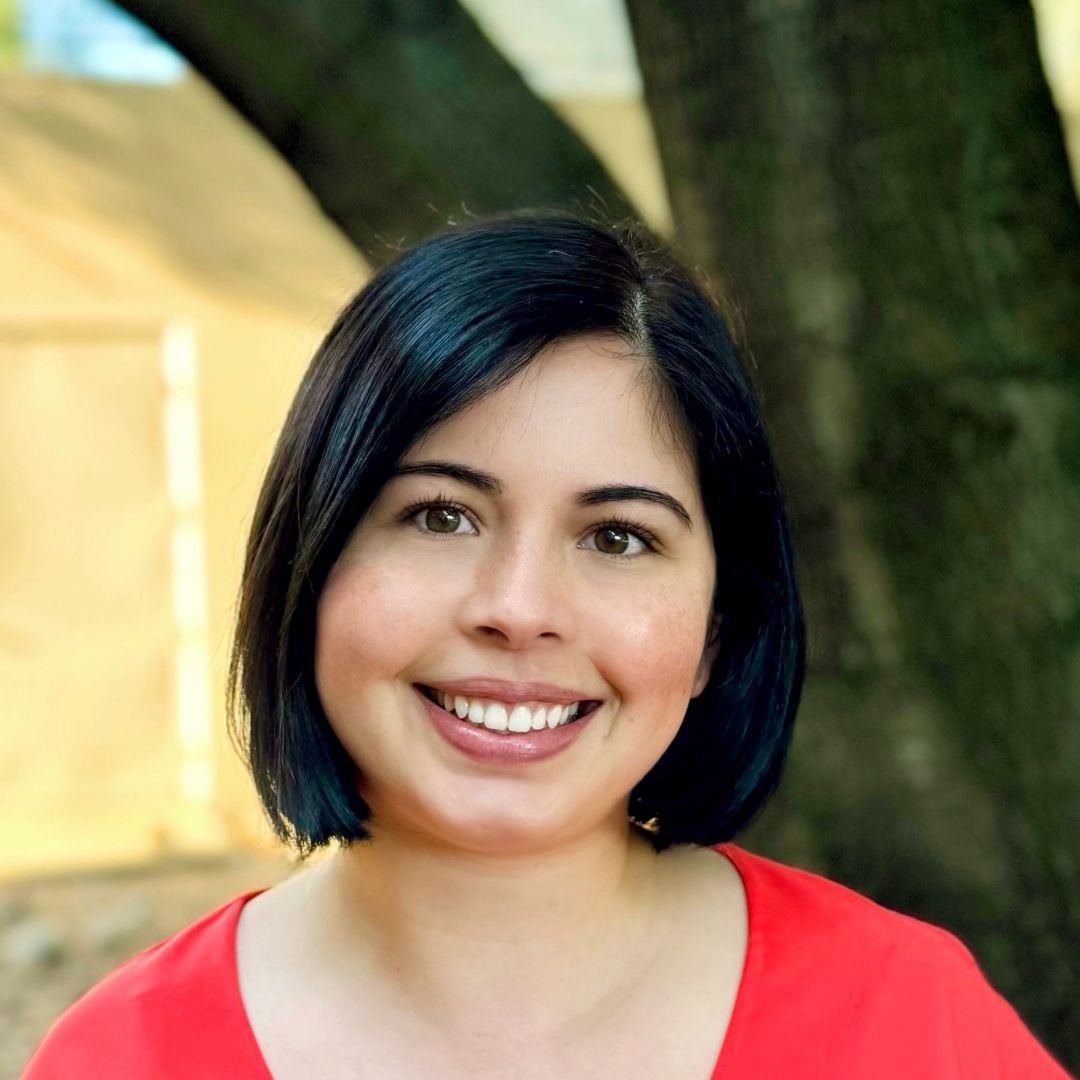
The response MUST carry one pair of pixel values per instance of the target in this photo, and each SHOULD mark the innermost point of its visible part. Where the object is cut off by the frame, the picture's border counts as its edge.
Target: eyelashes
(440, 502)
(620, 524)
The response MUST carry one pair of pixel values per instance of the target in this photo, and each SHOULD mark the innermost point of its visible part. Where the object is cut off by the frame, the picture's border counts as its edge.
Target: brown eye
(442, 519)
(438, 517)
(612, 541)
(620, 539)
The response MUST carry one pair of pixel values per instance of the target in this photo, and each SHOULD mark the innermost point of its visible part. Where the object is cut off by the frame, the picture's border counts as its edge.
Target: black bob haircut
(445, 323)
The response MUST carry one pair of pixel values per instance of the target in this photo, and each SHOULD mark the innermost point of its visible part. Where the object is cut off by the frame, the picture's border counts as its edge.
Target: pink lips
(512, 692)
(493, 747)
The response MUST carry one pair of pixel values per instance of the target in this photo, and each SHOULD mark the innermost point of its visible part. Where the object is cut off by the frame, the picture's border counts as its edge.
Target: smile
(506, 717)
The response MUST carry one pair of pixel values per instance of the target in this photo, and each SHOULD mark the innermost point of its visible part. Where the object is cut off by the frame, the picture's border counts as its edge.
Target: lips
(512, 692)
(498, 748)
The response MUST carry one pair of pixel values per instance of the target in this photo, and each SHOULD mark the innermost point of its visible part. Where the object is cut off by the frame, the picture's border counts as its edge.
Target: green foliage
(9, 36)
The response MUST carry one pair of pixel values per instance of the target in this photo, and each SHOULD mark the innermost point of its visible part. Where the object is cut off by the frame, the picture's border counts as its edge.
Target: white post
(192, 690)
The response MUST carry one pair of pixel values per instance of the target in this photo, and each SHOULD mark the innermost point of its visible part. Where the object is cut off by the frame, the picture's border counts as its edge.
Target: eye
(439, 516)
(622, 539)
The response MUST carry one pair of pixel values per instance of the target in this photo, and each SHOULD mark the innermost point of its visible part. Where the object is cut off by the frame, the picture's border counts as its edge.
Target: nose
(519, 594)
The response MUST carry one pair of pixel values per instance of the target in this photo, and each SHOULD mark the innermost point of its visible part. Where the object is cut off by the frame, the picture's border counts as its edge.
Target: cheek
(654, 647)
(369, 625)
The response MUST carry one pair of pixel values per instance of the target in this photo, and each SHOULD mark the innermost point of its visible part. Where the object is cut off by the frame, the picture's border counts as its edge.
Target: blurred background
(882, 198)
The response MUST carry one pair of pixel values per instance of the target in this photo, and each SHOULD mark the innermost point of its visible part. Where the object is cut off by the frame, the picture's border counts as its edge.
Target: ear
(708, 657)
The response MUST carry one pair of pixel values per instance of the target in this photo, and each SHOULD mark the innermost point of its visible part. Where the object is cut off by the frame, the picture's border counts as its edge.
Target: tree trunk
(888, 194)
(397, 114)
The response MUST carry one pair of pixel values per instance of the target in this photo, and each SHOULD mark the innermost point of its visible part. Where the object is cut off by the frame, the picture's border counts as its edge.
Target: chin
(505, 836)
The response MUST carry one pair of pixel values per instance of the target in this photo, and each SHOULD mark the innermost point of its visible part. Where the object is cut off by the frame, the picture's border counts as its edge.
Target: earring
(652, 825)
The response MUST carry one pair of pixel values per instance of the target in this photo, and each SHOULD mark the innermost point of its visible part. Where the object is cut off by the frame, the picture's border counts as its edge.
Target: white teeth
(497, 717)
(520, 719)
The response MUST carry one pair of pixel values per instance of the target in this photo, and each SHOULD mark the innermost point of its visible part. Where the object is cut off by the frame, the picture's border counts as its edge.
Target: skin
(519, 887)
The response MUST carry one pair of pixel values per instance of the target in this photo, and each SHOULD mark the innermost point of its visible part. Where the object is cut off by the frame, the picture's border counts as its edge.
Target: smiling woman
(519, 635)
(492, 554)
(610, 387)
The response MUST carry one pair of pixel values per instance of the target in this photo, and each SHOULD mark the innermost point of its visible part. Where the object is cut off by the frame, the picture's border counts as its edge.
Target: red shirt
(834, 986)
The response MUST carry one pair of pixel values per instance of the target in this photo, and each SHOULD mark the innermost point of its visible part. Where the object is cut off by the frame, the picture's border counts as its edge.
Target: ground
(60, 934)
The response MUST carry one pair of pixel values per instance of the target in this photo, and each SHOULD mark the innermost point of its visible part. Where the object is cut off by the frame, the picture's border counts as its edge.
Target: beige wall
(84, 594)
(122, 209)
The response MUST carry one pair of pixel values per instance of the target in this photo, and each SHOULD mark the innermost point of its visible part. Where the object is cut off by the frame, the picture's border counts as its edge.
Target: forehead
(585, 408)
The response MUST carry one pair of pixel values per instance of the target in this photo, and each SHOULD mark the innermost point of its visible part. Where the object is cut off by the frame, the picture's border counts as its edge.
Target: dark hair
(447, 322)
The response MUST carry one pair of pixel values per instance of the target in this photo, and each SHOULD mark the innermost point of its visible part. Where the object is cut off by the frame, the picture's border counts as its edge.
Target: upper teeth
(496, 716)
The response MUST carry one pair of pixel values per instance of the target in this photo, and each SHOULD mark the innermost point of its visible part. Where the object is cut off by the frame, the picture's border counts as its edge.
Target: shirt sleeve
(78, 1043)
(992, 1041)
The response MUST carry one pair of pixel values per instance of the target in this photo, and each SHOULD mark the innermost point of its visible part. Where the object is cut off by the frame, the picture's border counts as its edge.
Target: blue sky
(92, 39)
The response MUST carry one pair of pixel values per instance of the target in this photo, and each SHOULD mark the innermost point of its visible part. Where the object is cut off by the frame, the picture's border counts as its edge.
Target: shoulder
(793, 904)
(885, 986)
(153, 1007)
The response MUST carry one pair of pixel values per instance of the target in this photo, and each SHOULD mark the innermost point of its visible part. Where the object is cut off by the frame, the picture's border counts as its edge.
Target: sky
(561, 47)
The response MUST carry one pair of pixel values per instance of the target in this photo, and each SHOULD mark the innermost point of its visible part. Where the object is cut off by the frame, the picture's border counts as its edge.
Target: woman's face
(521, 580)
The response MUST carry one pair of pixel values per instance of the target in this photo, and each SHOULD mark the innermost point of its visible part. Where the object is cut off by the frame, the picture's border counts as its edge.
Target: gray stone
(12, 908)
(118, 925)
(31, 944)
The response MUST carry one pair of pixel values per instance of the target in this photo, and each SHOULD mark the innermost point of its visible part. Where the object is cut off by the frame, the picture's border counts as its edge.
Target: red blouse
(833, 986)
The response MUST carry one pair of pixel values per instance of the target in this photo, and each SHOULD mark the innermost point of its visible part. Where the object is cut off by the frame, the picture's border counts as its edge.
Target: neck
(539, 936)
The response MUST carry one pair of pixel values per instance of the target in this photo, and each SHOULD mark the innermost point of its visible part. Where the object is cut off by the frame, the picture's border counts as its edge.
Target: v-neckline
(732, 1035)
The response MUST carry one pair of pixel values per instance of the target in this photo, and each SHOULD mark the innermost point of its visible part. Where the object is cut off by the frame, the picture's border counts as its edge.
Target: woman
(519, 632)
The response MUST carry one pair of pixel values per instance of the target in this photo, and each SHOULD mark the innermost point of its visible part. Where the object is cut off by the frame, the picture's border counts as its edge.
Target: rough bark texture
(397, 114)
(886, 192)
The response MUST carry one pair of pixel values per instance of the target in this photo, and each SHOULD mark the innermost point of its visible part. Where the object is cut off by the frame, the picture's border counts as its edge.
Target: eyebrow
(594, 496)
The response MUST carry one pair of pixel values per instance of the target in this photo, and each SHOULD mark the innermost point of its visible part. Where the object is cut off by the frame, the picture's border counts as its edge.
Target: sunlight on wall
(84, 591)
(191, 675)
(131, 447)
(1058, 23)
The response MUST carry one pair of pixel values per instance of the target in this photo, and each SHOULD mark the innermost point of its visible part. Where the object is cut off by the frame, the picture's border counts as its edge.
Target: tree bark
(397, 114)
(888, 195)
